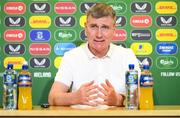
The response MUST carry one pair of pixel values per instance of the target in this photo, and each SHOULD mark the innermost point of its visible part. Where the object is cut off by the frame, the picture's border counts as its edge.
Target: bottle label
(131, 78)
(9, 79)
(24, 80)
(146, 81)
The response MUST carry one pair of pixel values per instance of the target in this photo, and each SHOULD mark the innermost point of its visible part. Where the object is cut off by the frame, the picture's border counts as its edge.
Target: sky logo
(40, 35)
(61, 48)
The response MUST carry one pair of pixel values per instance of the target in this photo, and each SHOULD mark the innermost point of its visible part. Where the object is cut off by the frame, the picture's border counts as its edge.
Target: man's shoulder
(74, 52)
(121, 49)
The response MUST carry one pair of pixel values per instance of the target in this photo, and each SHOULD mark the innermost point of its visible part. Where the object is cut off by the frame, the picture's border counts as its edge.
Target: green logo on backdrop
(166, 62)
(66, 35)
(119, 7)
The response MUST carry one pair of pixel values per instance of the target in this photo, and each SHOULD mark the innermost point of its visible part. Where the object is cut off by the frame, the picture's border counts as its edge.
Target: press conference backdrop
(41, 31)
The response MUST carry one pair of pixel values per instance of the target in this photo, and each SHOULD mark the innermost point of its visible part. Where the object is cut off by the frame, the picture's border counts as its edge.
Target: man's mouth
(99, 40)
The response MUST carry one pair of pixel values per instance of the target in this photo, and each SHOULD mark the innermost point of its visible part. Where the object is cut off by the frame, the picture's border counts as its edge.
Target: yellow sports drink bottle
(25, 89)
(146, 89)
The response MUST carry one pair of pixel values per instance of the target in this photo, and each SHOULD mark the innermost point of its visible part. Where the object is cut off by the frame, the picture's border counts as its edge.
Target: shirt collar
(91, 55)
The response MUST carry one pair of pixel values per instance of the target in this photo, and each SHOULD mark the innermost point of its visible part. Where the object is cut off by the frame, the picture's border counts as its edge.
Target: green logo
(65, 35)
(166, 62)
(119, 7)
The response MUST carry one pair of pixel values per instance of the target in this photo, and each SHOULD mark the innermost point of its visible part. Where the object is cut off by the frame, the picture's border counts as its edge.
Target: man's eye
(105, 27)
(93, 26)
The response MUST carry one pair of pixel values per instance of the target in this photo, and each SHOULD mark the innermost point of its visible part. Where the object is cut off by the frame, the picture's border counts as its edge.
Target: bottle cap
(10, 66)
(25, 65)
(145, 66)
(131, 66)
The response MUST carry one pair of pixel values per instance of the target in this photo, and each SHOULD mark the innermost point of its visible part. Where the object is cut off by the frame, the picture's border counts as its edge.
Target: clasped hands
(92, 94)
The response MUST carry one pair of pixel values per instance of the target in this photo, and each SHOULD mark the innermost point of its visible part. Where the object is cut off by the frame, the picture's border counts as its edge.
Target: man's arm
(59, 94)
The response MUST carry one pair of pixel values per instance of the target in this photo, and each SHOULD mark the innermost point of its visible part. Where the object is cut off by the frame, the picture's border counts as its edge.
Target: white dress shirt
(79, 65)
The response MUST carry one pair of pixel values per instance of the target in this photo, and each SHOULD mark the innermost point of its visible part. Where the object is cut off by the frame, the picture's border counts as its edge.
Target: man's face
(99, 33)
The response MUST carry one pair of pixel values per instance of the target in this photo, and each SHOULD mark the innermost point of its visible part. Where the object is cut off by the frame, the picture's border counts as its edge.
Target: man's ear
(85, 28)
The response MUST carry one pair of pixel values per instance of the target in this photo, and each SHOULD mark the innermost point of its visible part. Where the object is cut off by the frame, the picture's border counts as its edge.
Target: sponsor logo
(14, 21)
(65, 35)
(65, 8)
(142, 48)
(14, 49)
(141, 21)
(119, 7)
(16, 61)
(120, 21)
(61, 48)
(40, 21)
(166, 48)
(57, 62)
(65, 21)
(42, 75)
(141, 7)
(15, 35)
(83, 35)
(14, 8)
(39, 62)
(40, 35)
(40, 49)
(166, 62)
(82, 21)
(166, 7)
(120, 35)
(40, 8)
(166, 21)
(166, 34)
(86, 5)
(141, 35)
(143, 60)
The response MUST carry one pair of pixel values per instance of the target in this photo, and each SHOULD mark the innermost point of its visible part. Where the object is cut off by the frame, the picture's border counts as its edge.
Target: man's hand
(109, 95)
(86, 93)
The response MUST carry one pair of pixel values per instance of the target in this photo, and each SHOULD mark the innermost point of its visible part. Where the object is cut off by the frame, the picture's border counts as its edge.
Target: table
(58, 111)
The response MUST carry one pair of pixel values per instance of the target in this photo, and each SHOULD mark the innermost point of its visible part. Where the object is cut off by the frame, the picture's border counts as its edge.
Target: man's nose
(99, 33)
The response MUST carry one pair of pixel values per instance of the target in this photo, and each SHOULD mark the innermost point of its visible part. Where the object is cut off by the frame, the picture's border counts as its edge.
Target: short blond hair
(101, 10)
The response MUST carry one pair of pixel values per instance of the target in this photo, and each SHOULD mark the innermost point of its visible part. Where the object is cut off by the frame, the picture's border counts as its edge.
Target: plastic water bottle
(131, 88)
(146, 89)
(10, 88)
(25, 89)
